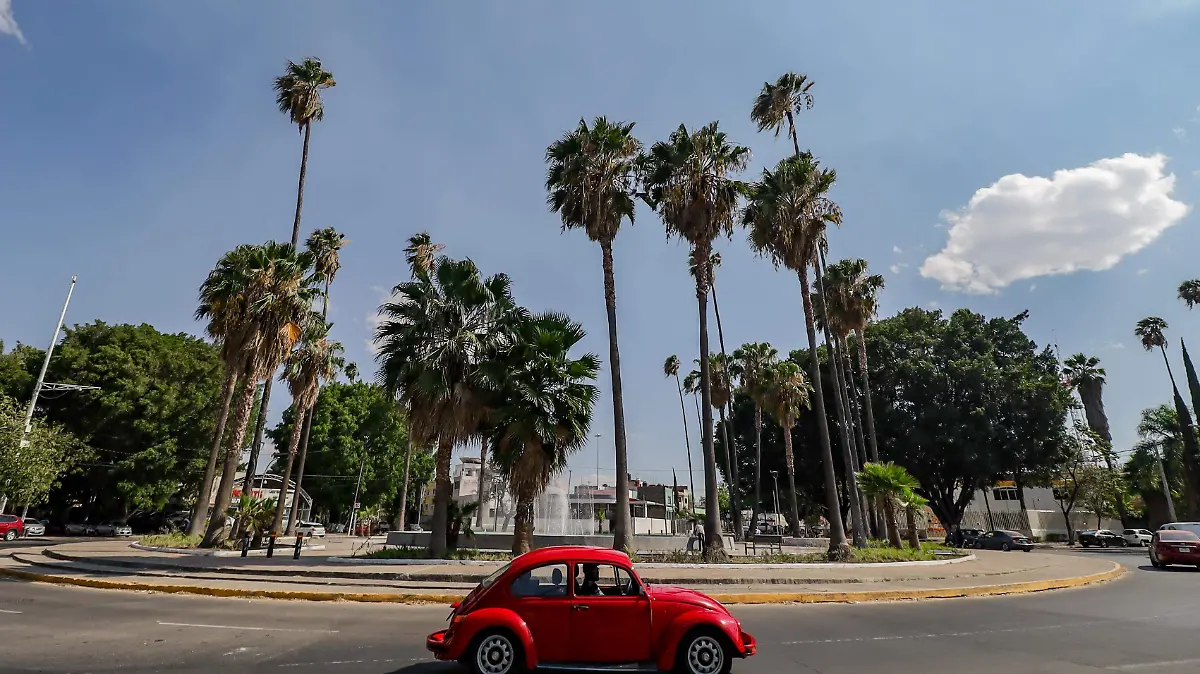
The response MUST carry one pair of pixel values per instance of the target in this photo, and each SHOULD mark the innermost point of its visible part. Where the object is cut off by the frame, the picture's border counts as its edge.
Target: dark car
(969, 536)
(1003, 540)
(1102, 538)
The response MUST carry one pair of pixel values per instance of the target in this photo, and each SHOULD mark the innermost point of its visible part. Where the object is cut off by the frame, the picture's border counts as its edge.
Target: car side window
(543, 581)
(604, 580)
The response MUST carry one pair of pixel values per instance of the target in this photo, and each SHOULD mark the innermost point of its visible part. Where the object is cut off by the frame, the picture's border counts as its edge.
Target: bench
(772, 542)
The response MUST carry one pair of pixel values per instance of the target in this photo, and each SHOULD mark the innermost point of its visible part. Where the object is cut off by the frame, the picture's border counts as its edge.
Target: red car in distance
(586, 608)
(1174, 547)
(11, 527)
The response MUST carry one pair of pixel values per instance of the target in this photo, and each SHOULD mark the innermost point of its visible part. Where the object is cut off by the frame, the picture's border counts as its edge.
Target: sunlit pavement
(1145, 622)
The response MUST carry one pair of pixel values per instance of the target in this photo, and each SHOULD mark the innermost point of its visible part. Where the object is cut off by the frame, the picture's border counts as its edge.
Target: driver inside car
(590, 586)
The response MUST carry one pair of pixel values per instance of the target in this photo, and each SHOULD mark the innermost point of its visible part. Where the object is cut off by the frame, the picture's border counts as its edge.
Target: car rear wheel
(495, 653)
(1005, 547)
(10, 535)
(703, 652)
(1104, 542)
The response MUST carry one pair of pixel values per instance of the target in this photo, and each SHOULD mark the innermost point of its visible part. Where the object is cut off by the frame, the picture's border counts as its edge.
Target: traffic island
(119, 567)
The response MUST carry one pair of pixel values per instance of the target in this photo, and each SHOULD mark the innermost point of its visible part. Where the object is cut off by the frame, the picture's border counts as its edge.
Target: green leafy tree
(1150, 332)
(590, 180)
(1155, 467)
(546, 410)
(28, 473)
(889, 483)
(1086, 376)
(689, 181)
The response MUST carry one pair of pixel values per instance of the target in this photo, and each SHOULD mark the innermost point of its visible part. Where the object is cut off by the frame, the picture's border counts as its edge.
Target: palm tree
(787, 393)
(777, 103)
(735, 494)
(787, 213)
(1084, 374)
(590, 182)
(314, 360)
(888, 483)
(752, 364)
(437, 330)
(671, 369)
(720, 394)
(689, 182)
(258, 297)
(860, 296)
(1150, 332)
(298, 95)
(546, 413)
(1189, 292)
(912, 502)
(1161, 444)
(421, 254)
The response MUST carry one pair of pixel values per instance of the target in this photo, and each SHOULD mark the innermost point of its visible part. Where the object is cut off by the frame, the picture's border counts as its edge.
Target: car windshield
(1193, 527)
(1177, 536)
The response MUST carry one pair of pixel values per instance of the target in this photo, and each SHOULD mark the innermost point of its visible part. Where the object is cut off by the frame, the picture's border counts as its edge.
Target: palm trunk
(914, 539)
(870, 519)
(686, 440)
(443, 492)
(300, 187)
(757, 470)
(523, 523)
(714, 544)
(293, 515)
(622, 529)
(286, 476)
(259, 428)
(838, 548)
(200, 510)
(731, 464)
(793, 507)
(398, 520)
(893, 525)
(856, 523)
(233, 453)
(483, 447)
(872, 442)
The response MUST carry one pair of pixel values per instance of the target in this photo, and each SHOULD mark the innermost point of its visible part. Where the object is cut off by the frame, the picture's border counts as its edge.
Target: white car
(1138, 537)
(310, 529)
(34, 527)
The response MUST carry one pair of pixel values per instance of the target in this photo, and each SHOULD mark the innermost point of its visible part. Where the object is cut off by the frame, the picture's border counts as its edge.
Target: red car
(11, 527)
(586, 608)
(1174, 547)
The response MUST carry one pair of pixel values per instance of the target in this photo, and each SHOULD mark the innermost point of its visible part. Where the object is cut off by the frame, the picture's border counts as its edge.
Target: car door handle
(579, 607)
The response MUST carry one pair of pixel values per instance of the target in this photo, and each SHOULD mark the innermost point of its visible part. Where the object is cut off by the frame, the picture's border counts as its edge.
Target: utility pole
(37, 388)
(357, 485)
(775, 477)
(1166, 488)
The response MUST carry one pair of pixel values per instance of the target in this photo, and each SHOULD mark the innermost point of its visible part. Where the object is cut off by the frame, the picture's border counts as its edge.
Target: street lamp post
(37, 387)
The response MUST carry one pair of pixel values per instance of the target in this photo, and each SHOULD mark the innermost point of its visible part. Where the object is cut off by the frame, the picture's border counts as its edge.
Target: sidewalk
(116, 565)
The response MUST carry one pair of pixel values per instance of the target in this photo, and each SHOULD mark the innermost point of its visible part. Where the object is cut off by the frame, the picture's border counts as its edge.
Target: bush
(182, 541)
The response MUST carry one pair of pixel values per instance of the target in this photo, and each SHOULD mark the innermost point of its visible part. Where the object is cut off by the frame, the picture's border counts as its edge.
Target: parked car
(310, 529)
(11, 527)
(114, 528)
(34, 527)
(1193, 527)
(970, 536)
(1004, 540)
(1102, 538)
(1138, 537)
(79, 529)
(1174, 546)
(587, 607)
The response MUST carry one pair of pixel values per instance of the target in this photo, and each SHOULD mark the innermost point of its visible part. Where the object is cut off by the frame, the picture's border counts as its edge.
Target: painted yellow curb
(732, 598)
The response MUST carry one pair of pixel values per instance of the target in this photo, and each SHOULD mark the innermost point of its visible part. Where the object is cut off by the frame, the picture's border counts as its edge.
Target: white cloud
(8, 24)
(898, 267)
(896, 250)
(1180, 133)
(1142, 271)
(932, 304)
(1023, 227)
(1032, 287)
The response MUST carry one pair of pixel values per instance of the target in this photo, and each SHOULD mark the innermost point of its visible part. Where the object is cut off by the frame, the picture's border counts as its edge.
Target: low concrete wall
(485, 540)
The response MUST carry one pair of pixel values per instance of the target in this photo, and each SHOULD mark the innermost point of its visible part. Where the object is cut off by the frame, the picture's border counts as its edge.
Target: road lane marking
(1151, 665)
(244, 627)
(4, 610)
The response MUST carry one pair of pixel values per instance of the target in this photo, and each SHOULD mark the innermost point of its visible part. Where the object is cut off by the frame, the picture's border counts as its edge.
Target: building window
(1005, 494)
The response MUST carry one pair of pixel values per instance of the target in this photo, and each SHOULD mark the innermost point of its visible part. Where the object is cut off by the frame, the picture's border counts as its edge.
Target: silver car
(113, 529)
(34, 527)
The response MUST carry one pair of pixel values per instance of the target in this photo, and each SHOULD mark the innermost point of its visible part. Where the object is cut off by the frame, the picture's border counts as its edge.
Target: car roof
(568, 553)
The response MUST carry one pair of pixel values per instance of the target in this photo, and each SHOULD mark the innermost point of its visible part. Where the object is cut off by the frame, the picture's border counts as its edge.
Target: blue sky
(141, 141)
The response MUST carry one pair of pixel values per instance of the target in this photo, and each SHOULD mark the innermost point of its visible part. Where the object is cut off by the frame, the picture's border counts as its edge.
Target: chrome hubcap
(495, 655)
(705, 656)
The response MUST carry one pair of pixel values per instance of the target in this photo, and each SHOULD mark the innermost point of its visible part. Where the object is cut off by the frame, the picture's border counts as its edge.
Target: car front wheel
(495, 653)
(703, 652)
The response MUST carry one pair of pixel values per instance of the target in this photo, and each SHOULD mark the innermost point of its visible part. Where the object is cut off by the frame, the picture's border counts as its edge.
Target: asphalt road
(1148, 621)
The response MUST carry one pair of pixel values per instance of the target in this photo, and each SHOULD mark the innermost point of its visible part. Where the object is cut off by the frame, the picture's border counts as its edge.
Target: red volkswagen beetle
(578, 607)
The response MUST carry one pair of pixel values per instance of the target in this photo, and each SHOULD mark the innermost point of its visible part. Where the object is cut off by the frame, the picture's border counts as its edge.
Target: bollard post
(271, 545)
(299, 542)
(245, 544)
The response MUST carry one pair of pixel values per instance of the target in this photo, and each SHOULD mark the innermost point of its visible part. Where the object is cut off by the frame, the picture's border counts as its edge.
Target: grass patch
(423, 553)
(182, 541)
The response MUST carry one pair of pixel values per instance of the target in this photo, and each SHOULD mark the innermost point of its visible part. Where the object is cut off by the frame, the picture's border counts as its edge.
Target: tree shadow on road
(430, 668)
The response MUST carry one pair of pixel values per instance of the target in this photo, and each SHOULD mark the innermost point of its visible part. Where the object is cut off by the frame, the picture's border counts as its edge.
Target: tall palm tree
(298, 95)
(786, 216)
(437, 330)
(689, 181)
(720, 393)
(778, 102)
(671, 369)
(548, 398)
(590, 181)
(788, 392)
(315, 359)
(753, 364)
(262, 295)
(860, 297)
(1085, 375)
(888, 483)
(1189, 292)
(1150, 332)
(735, 494)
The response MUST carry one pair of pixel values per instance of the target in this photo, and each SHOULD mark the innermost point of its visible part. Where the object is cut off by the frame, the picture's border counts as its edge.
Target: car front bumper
(35, 532)
(749, 644)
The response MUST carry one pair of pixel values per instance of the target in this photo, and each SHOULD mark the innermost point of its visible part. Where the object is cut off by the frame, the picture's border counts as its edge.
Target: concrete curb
(218, 553)
(666, 565)
(731, 598)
